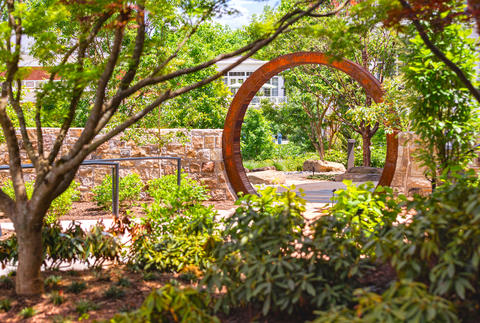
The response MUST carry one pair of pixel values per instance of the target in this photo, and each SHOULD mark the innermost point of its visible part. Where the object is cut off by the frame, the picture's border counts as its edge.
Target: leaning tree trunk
(30, 255)
(367, 143)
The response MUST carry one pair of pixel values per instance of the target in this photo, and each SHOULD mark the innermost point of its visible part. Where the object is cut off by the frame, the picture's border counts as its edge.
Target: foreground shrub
(70, 245)
(441, 245)
(404, 301)
(266, 259)
(365, 211)
(171, 304)
(177, 230)
(130, 187)
(59, 207)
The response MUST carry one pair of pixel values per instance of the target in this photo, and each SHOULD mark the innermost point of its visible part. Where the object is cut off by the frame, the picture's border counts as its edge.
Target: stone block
(197, 142)
(176, 149)
(210, 142)
(216, 154)
(208, 167)
(194, 167)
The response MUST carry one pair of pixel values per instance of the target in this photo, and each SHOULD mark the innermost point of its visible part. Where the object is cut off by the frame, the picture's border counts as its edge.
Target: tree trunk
(367, 156)
(30, 257)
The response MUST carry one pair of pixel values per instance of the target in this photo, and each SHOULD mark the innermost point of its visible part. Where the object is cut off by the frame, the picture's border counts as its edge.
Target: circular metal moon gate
(232, 156)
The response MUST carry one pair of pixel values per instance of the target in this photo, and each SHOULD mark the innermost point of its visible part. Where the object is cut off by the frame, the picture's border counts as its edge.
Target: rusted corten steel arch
(233, 124)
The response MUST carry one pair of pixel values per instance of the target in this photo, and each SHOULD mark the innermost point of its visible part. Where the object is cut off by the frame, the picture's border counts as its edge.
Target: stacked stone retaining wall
(200, 150)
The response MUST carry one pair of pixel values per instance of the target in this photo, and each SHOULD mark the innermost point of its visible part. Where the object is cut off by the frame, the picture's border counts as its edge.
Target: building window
(275, 89)
(29, 83)
(236, 73)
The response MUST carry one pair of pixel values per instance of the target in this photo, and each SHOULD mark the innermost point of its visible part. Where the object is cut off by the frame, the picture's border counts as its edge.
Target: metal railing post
(179, 172)
(115, 189)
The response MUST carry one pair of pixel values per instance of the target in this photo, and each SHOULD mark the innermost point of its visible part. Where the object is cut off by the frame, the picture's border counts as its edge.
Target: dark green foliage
(84, 306)
(76, 287)
(57, 298)
(440, 245)
(6, 282)
(267, 260)
(177, 230)
(171, 304)
(404, 301)
(52, 282)
(129, 191)
(5, 305)
(114, 292)
(124, 282)
(149, 276)
(69, 245)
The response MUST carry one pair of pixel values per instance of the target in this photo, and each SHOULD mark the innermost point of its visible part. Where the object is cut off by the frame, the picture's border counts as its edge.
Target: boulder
(261, 169)
(361, 174)
(268, 177)
(322, 166)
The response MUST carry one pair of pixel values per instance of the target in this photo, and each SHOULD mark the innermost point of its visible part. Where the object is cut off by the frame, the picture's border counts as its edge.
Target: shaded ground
(97, 282)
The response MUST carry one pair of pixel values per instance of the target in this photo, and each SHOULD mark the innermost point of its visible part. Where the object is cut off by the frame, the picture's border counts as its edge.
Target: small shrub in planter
(177, 230)
(130, 187)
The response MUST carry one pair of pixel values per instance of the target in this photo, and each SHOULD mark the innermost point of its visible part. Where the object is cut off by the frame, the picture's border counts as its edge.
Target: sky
(246, 9)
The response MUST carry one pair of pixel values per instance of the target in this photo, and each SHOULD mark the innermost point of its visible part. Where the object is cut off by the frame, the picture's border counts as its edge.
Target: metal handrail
(99, 162)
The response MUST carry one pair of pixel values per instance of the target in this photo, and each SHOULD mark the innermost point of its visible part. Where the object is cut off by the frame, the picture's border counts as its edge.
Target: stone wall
(200, 150)
(409, 178)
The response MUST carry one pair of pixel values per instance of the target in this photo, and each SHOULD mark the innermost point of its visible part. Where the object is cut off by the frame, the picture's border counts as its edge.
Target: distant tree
(257, 136)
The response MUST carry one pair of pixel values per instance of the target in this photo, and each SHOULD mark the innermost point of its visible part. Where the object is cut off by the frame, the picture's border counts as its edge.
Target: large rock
(268, 177)
(361, 174)
(261, 169)
(321, 166)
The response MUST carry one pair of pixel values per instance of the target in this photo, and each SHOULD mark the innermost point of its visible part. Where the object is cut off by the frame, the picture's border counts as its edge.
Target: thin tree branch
(440, 55)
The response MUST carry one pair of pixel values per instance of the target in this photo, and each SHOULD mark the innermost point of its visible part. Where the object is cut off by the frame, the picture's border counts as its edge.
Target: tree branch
(440, 55)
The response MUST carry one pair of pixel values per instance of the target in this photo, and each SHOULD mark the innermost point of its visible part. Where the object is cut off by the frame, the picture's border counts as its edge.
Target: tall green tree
(122, 51)
(444, 113)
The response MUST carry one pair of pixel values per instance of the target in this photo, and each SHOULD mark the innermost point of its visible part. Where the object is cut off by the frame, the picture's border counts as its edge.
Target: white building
(274, 89)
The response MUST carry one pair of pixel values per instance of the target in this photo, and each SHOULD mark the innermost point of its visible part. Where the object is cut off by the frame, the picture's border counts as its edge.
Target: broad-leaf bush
(130, 187)
(73, 244)
(256, 262)
(171, 304)
(267, 258)
(440, 245)
(177, 230)
(404, 301)
(365, 211)
(59, 207)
